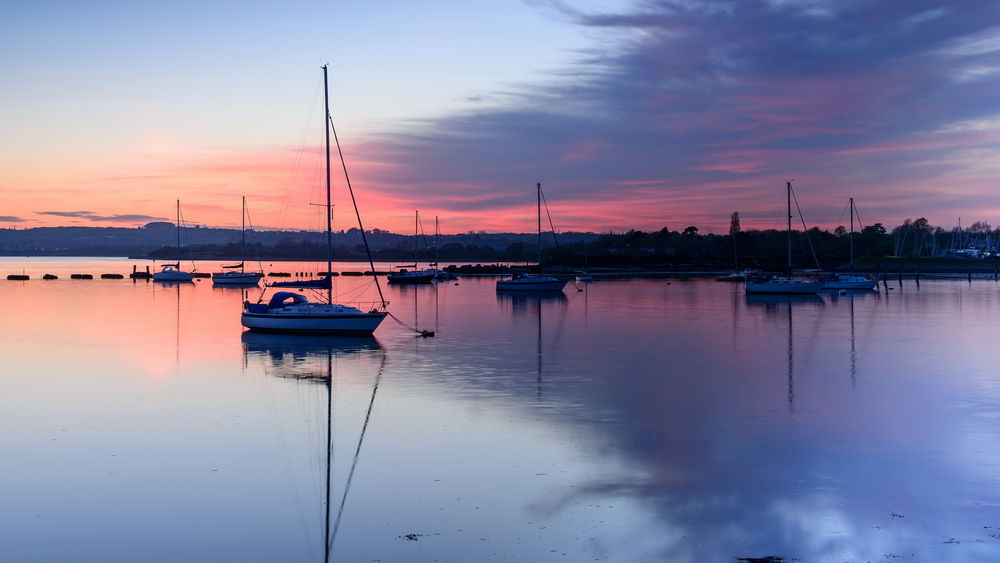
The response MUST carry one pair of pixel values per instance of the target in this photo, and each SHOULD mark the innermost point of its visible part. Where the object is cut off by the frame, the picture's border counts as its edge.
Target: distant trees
(734, 231)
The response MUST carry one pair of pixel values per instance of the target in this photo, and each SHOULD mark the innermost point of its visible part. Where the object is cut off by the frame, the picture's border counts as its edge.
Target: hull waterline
(527, 284)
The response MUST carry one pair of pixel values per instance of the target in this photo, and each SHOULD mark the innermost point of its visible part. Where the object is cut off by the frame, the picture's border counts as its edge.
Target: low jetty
(81, 276)
(137, 275)
(18, 277)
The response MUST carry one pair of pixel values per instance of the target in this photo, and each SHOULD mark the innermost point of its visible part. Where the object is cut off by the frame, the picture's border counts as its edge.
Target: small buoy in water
(579, 289)
(892, 289)
(426, 333)
(842, 292)
(50, 277)
(456, 283)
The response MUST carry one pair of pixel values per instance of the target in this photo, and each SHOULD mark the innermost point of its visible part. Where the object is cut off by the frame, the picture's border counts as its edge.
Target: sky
(632, 114)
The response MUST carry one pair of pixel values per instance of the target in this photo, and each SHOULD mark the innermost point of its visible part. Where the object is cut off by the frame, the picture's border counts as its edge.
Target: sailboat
(289, 312)
(524, 282)
(846, 281)
(439, 274)
(405, 275)
(777, 285)
(172, 272)
(241, 277)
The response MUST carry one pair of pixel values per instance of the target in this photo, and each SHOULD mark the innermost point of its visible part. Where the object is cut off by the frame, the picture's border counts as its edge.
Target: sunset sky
(631, 114)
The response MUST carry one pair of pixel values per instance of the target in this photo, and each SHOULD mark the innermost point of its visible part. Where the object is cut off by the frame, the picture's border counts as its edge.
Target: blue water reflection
(636, 420)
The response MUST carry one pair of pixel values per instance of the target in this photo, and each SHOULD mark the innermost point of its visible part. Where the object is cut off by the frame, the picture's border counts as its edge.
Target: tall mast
(852, 233)
(538, 197)
(178, 234)
(329, 219)
(416, 236)
(437, 242)
(243, 235)
(788, 196)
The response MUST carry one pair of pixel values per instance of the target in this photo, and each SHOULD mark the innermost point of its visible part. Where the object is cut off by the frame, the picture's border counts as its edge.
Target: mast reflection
(772, 304)
(311, 358)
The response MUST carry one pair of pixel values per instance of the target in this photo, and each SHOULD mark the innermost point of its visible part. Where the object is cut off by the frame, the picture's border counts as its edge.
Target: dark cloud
(128, 218)
(84, 214)
(696, 108)
(11, 219)
(91, 216)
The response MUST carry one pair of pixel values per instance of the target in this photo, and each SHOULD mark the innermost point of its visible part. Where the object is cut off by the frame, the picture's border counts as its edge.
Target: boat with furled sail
(242, 277)
(526, 282)
(172, 272)
(288, 312)
(787, 285)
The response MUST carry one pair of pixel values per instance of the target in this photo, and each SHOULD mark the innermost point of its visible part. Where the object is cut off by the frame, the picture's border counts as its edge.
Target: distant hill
(158, 240)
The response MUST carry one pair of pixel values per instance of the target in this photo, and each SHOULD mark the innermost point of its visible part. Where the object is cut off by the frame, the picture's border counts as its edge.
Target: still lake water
(638, 420)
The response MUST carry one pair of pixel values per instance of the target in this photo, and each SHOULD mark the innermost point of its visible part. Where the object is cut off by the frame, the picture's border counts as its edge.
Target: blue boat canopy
(308, 284)
(278, 299)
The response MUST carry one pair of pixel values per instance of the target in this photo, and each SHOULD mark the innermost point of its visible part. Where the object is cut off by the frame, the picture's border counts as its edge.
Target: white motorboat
(522, 282)
(173, 272)
(406, 276)
(292, 313)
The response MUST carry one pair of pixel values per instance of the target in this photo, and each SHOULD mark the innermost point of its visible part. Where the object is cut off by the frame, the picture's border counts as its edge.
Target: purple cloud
(714, 104)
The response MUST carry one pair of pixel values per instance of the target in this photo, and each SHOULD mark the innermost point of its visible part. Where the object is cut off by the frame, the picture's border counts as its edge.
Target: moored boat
(241, 277)
(526, 282)
(850, 281)
(841, 281)
(779, 285)
(292, 313)
(173, 272)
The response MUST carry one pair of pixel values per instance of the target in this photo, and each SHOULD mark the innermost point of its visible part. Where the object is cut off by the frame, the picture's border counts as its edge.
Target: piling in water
(136, 275)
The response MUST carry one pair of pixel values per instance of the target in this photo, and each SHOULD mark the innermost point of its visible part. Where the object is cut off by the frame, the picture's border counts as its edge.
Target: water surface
(638, 420)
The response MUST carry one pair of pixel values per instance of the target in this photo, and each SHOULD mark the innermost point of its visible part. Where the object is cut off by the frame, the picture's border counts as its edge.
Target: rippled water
(639, 420)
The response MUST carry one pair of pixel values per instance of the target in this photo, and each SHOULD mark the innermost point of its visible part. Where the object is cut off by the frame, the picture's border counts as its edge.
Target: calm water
(642, 420)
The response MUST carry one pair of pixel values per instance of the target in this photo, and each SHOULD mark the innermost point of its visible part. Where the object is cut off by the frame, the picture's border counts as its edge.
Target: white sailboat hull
(850, 282)
(405, 277)
(783, 287)
(529, 283)
(236, 278)
(173, 276)
(313, 318)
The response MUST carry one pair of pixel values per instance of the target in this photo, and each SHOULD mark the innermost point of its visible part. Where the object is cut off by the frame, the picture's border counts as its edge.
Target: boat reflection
(521, 301)
(294, 356)
(770, 301)
(320, 359)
